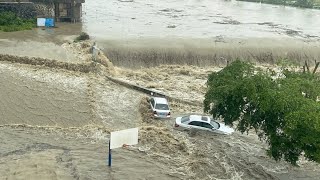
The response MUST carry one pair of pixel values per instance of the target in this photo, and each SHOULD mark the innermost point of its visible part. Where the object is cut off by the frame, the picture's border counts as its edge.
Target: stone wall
(45, 10)
(29, 10)
(23, 10)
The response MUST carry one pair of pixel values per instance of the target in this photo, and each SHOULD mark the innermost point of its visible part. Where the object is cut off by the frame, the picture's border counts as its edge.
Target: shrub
(83, 36)
(11, 22)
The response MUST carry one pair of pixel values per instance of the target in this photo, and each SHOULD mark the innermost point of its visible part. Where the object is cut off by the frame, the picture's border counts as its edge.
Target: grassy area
(11, 22)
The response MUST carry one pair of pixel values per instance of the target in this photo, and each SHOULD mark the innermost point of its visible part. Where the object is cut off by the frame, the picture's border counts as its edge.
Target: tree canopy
(282, 107)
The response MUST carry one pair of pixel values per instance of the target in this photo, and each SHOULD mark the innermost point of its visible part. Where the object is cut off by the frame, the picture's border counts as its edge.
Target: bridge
(61, 10)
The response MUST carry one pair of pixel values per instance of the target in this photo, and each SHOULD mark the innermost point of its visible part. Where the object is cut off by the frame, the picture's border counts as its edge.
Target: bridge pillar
(68, 11)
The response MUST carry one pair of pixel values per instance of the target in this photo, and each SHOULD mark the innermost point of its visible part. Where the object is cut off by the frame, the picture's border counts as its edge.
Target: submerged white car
(160, 107)
(202, 123)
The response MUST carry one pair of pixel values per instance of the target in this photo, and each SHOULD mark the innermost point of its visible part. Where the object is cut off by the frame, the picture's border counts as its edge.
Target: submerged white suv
(160, 107)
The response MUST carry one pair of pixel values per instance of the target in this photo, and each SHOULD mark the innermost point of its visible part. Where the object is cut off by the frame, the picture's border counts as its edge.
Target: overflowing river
(197, 19)
(137, 33)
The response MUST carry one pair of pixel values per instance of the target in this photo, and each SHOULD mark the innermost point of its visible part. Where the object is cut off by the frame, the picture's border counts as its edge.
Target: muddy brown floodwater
(55, 124)
(49, 97)
(32, 153)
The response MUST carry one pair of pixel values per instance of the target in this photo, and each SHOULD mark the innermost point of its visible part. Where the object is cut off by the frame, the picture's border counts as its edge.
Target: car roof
(199, 118)
(160, 100)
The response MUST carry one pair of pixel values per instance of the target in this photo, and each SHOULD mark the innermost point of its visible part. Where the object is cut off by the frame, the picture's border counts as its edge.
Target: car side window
(195, 123)
(206, 125)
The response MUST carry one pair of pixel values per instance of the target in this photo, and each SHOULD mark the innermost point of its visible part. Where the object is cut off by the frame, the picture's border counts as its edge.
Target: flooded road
(32, 153)
(52, 97)
(37, 152)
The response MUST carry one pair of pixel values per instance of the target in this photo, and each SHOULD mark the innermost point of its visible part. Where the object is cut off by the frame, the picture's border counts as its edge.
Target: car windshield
(215, 124)
(162, 106)
(184, 119)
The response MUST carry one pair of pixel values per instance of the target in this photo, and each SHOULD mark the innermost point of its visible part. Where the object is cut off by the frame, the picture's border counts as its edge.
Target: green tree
(281, 107)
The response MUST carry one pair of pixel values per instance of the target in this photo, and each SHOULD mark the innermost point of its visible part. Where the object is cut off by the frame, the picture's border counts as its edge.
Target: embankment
(81, 67)
(138, 53)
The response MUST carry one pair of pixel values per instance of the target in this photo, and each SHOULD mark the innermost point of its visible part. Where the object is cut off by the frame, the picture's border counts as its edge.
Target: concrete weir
(61, 10)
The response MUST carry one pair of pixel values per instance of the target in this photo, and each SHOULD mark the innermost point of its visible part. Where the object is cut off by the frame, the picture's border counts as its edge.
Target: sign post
(109, 162)
(120, 138)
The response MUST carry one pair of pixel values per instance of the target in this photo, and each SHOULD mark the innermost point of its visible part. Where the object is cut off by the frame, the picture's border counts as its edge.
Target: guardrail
(152, 92)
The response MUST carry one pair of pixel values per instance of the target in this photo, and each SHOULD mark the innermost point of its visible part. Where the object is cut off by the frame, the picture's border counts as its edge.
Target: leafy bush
(83, 36)
(11, 22)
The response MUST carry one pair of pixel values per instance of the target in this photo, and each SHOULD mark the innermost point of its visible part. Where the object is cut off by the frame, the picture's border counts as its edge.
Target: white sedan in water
(202, 123)
(160, 107)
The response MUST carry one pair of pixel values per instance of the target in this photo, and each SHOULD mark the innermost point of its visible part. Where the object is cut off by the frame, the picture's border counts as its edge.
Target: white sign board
(127, 137)
(41, 22)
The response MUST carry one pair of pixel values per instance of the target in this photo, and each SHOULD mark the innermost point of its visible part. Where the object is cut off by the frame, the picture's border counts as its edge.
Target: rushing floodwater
(47, 97)
(196, 18)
